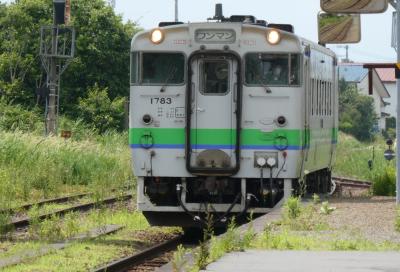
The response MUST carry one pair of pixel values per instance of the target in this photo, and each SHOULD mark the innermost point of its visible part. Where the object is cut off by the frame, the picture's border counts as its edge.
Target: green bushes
(98, 109)
(384, 184)
(15, 117)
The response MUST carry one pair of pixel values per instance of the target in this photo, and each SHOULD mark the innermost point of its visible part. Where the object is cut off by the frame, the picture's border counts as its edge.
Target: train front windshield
(273, 69)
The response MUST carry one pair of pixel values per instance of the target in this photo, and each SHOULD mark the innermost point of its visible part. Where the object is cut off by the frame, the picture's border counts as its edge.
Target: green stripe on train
(215, 136)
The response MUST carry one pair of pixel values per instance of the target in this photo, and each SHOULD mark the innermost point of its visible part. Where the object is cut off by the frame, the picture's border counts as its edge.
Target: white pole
(398, 107)
(176, 11)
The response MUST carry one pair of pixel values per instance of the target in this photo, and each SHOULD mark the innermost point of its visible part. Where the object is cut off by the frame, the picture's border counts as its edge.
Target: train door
(213, 140)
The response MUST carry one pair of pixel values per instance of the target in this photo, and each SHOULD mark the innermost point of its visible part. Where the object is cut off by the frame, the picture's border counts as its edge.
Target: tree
(19, 61)
(98, 109)
(102, 51)
(356, 112)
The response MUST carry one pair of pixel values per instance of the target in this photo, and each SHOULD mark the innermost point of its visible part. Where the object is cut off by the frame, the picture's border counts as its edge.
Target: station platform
(310, 261)
(296, 261)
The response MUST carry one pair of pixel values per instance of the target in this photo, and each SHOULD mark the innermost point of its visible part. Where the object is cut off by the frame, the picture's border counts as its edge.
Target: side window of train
(134, 67)
(312, 96)
(330, 98)
(322, 97)
(318, 99)
(163, 68)
(215, 77)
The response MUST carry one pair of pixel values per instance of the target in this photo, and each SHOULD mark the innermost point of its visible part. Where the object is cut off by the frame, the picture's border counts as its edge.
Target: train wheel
(193, 234)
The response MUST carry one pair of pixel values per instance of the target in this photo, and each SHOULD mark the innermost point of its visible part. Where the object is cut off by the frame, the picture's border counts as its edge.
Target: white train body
(221, 119)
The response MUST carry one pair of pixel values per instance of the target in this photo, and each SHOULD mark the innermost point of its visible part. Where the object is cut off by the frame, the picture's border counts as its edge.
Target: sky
(375, 45)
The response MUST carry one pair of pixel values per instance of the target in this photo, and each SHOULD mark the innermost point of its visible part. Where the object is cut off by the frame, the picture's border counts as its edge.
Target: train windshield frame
(158, 68)
(273, 69)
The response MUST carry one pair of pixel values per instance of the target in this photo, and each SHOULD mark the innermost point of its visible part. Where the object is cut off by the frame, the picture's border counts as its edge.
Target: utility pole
(346, 60)
(398, 107)
(176, 11)
(396, 5)
(347, 52)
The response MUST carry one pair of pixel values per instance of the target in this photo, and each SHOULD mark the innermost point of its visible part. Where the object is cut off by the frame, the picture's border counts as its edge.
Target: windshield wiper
(171, 73)
(261, 82)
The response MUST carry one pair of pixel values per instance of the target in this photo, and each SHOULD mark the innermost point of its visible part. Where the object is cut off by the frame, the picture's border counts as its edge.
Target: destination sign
(215, 36)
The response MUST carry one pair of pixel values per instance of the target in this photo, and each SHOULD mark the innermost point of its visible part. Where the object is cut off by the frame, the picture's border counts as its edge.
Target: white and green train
(229, 116)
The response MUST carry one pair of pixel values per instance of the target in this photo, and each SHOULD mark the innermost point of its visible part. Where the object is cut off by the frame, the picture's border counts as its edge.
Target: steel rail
(141, 257)
(43, 202)
(353, 183)
(25, 221)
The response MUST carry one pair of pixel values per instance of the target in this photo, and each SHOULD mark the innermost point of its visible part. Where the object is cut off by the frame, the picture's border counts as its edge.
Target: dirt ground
(369, 217)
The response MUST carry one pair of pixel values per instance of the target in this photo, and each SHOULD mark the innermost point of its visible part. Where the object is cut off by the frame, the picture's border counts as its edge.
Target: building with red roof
(388, 78)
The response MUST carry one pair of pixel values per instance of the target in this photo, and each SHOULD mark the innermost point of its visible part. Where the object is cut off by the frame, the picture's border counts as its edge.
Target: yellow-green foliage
(36, 167)
(298, 217)
(397, 223)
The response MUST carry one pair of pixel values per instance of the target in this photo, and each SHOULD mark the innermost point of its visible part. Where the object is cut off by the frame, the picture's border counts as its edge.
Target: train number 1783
(161, 100)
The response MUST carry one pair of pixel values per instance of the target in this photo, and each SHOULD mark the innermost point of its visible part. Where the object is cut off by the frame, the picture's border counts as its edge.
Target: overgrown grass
(289, 233)
(352, 161)
(352, 158)
(285, 240)
(298, 217)
(397, 222)
(33, 167)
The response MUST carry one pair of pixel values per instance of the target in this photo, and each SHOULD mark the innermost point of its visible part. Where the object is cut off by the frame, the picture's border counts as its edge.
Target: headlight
(157, 36)
(273, 36)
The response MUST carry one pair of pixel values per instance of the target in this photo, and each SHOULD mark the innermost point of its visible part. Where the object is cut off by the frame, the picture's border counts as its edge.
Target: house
(354, 73)
(388, 78)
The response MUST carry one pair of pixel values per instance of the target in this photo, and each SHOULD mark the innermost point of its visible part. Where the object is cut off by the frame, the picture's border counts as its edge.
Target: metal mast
(176, 11)
(56, 51)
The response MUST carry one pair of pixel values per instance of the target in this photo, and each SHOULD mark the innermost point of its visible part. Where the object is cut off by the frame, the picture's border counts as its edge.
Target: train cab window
(272, 69)
(162, 68)
(215, 77)
(134, 67)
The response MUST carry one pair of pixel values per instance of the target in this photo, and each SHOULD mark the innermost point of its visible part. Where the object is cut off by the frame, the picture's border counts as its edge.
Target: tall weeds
(38, 167)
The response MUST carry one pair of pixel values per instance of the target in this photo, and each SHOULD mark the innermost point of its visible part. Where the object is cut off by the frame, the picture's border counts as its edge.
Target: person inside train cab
(277, 76)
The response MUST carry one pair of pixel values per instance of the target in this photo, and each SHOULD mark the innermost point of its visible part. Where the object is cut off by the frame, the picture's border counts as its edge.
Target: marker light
(273, 36)
(147, 119)
(157, 36)
(271, 162)
(261, 161)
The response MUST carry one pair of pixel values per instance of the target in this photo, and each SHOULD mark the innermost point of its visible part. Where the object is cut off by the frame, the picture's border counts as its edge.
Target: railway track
(145, 260)
(58, 200)
(340, 30)
(341, 183)
(24, 221)
(345, 5)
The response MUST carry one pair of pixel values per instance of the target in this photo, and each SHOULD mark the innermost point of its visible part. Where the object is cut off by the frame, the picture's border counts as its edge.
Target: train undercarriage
(171, 201)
